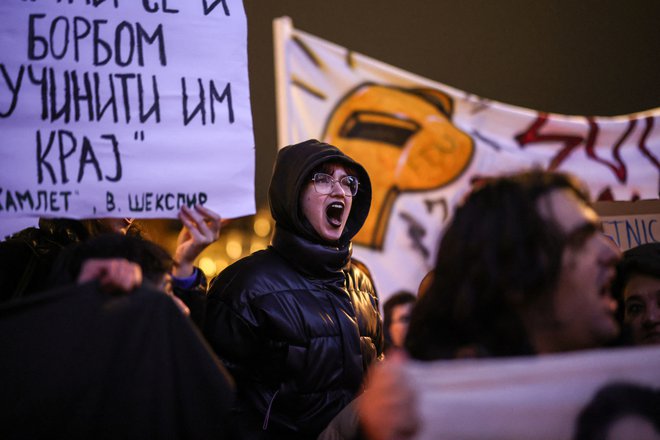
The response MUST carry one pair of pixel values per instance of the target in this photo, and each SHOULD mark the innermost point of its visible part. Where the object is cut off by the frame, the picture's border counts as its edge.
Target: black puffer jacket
(296, 324)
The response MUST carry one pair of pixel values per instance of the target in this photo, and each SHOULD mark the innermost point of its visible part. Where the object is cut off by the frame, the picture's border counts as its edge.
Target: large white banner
(423, 142)
(549, 397)
(116, 108)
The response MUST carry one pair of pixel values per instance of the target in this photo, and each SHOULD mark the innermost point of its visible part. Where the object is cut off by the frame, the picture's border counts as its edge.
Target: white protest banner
(117, 108)
(423, 143)
(540, 397)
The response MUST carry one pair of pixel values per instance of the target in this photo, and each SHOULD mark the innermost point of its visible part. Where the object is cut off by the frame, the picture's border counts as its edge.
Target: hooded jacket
(297, 324)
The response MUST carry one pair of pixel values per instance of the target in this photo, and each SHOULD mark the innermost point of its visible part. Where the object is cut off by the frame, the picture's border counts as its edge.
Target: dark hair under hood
(293, 168)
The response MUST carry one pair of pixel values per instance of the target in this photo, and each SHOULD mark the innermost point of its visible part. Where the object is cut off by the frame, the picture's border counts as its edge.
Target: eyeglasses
(324, 183)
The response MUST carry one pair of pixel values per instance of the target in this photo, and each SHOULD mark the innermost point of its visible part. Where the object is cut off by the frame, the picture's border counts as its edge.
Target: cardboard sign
(115, 108)
(630, 224)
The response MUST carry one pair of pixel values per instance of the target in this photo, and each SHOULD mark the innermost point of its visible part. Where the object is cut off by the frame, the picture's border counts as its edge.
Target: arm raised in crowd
(201, 227)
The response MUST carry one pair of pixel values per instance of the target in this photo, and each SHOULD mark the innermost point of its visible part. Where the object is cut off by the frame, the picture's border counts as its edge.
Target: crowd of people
(292, 336)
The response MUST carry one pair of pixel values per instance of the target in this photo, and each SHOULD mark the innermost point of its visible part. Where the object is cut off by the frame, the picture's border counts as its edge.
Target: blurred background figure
(522, 269)
(396, 317)
(27, 257)
(621, 411)
(637, 289)
(107, 353)
(119, 263)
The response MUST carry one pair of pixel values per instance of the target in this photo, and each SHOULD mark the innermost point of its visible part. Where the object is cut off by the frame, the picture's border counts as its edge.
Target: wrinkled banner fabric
(576, 395)
(423, 143)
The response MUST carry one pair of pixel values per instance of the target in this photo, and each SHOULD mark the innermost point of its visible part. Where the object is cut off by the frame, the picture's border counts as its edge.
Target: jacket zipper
(270, 405)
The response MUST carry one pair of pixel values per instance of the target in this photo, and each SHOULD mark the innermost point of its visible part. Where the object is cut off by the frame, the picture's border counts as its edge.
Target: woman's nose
(337, 188)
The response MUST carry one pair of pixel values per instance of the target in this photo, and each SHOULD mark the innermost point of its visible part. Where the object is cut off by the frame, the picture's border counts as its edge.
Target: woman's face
(642, 308)
(328, 213)
(399, 324)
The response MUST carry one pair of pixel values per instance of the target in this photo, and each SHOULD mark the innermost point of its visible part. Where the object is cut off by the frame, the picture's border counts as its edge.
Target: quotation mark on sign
(138, 134)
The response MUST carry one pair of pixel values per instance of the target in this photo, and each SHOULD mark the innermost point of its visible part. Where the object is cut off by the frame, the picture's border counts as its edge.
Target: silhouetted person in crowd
(620, 411)
(105, 353)
(396, 317)
(26, 258)
(637, 289)
(119, 263)
(522, 269)
(297, 324)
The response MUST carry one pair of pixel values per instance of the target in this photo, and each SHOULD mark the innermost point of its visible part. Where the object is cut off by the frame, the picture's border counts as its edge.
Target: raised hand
(201, 227)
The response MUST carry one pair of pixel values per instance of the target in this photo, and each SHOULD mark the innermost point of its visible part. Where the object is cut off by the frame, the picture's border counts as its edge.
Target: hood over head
(293, 167)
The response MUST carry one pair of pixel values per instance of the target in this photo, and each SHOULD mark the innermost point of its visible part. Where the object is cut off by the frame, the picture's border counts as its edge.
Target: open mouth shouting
(334, 214)
(331, 218)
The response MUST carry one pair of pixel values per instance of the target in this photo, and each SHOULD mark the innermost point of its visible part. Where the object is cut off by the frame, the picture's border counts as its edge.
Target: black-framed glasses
(323, 184)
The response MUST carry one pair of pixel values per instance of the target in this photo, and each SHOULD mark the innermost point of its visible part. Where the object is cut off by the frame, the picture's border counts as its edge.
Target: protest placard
(112, 108)
(630, 224)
